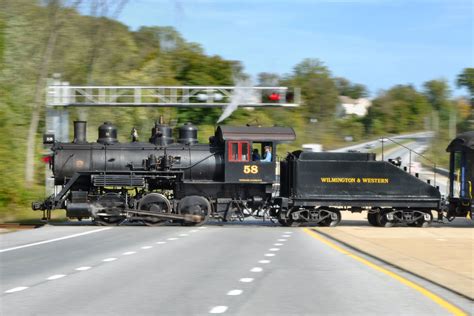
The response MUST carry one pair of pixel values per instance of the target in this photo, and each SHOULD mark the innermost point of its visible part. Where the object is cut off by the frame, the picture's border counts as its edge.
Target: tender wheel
(282, 217)
(422, 222)
(372, 218)
(333, 219)
(195, 208)
(290, 220)
(382, 219)
(156, 203)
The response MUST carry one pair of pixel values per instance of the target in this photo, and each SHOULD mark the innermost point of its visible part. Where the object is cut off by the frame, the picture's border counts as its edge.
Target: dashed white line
(160, 242)
(128, 253)
(278, 244)
(183, 235)
(55, 277)
(16, 289)
(234, 292)
(288, 232)
(285, 236)
(172, 238)
(246, 280)
(55, 239)
(274, 249)
(264, 261)
(147, 247)
(281, 239)
(109, 259)
(256, 269)
(194, 231)
(269, 255)
(82, 268)
(203, 227)
(218, 309)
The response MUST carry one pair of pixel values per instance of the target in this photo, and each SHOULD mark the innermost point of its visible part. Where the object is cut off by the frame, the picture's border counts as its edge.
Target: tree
(318, 91)
(438, 95)
(268, 79)
(466, 79)
(397, 110)
(349, 89)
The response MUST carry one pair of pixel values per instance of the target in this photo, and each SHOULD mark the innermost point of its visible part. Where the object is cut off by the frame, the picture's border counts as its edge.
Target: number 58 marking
(250, 169)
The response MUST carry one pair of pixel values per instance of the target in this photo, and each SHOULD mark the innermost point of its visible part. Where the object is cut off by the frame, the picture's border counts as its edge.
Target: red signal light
(46, 159)
(274, 97)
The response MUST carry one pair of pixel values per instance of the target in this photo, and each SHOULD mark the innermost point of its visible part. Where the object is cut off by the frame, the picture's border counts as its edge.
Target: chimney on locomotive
(80, 132)
(161, 134)
(107, 134)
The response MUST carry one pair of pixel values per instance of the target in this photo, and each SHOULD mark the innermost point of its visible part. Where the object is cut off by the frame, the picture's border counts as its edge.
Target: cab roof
(462, 142)
(255, 133)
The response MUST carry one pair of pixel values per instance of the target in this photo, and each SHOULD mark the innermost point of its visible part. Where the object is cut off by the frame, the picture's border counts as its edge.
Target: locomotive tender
(182, 181)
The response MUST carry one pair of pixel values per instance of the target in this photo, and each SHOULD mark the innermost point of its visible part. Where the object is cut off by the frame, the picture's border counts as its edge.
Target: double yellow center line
(435, 298)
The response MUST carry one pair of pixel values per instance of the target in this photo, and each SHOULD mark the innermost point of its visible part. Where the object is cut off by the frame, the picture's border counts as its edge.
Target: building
(349, 106)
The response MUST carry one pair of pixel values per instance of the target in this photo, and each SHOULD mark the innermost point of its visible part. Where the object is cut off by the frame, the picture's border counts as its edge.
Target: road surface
(234, 270)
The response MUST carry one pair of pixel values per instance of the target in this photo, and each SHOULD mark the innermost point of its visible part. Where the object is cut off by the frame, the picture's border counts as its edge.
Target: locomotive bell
(188, 134)
(107, 134)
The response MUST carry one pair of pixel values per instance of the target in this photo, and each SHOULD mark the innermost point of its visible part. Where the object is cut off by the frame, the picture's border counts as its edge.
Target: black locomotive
(182, 181)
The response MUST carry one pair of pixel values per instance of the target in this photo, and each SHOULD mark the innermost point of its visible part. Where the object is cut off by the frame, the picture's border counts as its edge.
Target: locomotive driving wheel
(108, 209)
(196, 210)
(155, 203)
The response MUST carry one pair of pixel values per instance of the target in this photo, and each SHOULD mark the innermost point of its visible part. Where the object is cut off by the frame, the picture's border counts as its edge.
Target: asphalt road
(234, 270)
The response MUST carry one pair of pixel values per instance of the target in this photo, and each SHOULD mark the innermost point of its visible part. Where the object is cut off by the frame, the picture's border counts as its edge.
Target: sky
(376, 43)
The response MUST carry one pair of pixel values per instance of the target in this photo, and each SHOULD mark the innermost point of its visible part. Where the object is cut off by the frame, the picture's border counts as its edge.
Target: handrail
(410, 151)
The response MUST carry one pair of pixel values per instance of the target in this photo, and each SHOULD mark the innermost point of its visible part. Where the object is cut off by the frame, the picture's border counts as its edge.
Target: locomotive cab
(461, 175)
(239, 143)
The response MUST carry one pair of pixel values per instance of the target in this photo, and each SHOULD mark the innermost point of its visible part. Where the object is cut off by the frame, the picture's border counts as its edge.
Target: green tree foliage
(349, 89)
(466, 79)
(397, 110)
(318, 89)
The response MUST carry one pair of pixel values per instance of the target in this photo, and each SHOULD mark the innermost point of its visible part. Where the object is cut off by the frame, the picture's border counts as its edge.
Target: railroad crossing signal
(64, 95)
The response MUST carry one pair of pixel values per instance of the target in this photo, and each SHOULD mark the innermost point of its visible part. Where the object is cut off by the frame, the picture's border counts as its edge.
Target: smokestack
(80, 132)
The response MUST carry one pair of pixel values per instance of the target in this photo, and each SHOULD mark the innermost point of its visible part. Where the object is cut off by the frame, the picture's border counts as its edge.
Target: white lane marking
(147, 247)
(55, 277)
(172, 238)
(82, 268)
(16, 289)
(218, 309)
(264, 261)
(256, 269)
(183, 235)
(246, 280)
(109, 259)
(285, 236)
(288, 232)
(203, 227)
(234, 292)
(128, 253)
(281, 239)
(278, 244)
(55, 239)
(194, 231)
(269, 255)
(274, 249)
(160, 242)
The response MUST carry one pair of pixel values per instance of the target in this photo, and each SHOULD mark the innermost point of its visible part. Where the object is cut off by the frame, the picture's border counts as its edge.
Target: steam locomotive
(182, 181)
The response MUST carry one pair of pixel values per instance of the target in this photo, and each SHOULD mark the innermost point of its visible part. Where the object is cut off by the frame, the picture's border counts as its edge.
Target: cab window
(239, 151)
